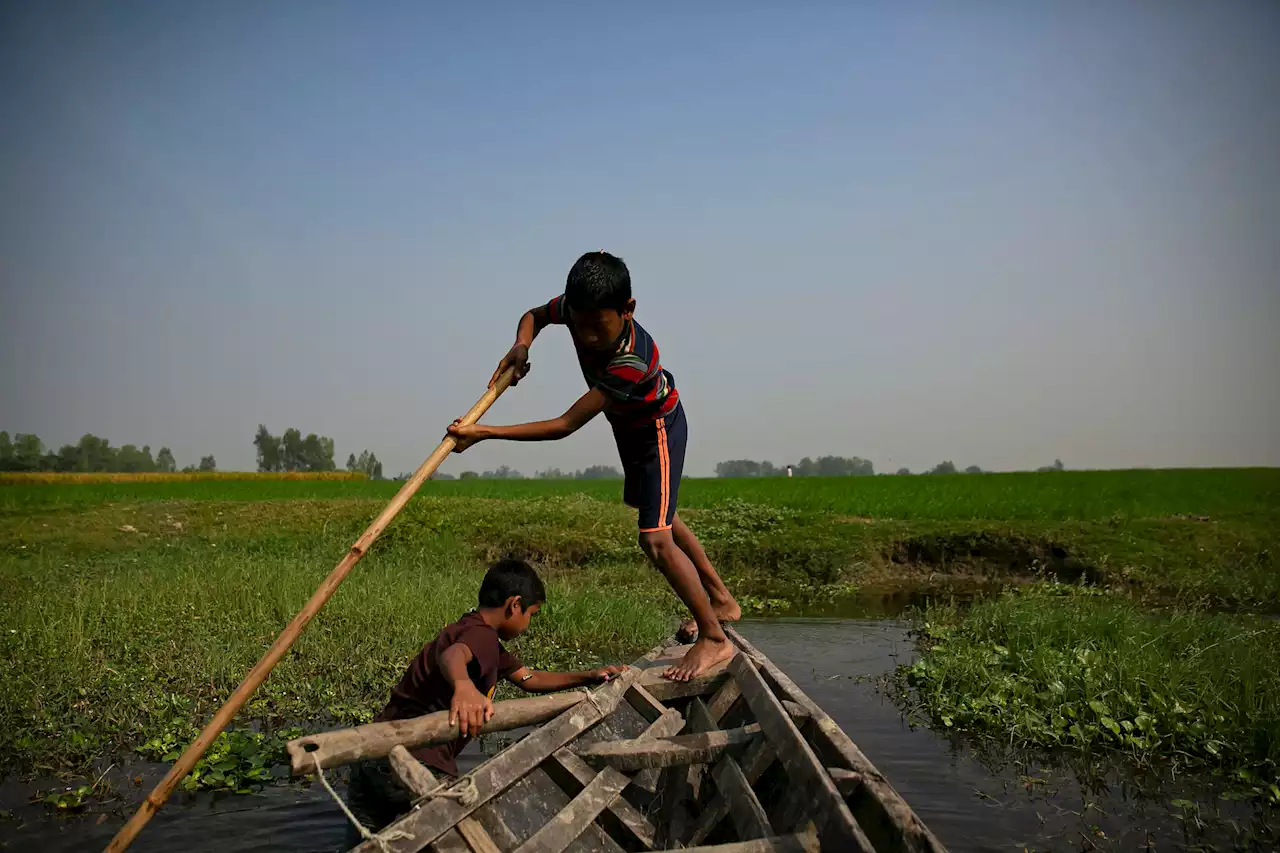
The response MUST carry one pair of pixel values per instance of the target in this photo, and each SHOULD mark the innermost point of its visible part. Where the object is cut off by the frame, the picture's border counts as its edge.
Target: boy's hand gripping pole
(263, 667)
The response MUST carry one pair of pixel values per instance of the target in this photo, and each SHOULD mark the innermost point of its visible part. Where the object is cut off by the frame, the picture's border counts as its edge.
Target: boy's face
(600, 329)
(516, 618)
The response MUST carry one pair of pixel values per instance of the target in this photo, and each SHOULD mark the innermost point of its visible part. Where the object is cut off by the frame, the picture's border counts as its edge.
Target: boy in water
(459, 671)
(620, 364)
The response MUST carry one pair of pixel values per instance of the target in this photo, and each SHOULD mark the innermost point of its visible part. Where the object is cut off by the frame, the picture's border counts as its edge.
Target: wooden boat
(738, 760)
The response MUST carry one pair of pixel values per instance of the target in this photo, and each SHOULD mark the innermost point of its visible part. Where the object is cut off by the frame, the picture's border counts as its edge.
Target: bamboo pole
(263, 667)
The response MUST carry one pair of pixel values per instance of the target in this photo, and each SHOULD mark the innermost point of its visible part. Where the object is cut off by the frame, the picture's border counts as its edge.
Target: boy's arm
(549, 682)
(469, 709)
(588, 406)
(531, 322)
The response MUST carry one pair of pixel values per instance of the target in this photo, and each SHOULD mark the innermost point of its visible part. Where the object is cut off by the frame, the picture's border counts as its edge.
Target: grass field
(132, 609)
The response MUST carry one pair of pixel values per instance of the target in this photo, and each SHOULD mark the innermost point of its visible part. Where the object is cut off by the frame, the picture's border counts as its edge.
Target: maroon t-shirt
(423, 689)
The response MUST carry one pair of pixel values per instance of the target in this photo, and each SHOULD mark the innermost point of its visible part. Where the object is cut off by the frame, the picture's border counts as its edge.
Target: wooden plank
(723, 700)
(798, 843)
(574, 818)
(880, 810)
(757, 760)
(837, 828)
(798, 712)
(645, 703)
(848, 782)
(494, 824)
(631, 755)
(475, 835)
(600, 792)
(410, 773)
(748, 814)
(673, 814)
(375, 740)
(700, 720)
(433, 819)
(664, 689)
(626, 814)
(414, 776)
(534, 801)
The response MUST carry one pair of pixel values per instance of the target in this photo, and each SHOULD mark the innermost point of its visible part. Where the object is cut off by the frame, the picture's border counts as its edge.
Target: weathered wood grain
(600, 793)
(498, 773)
(836, 826)
(631, 755)
(757, 760)
(883, 814)
(414, 776)
(375, 740)
(798, 843)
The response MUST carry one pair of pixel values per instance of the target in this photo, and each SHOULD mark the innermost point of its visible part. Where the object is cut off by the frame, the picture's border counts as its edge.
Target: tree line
(823, 466)
(292, 451)
(506, 472)
(288, 452)
(838, 466)
(26, 452)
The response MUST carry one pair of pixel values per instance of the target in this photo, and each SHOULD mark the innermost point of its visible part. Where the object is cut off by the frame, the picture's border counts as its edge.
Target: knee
(657, 545)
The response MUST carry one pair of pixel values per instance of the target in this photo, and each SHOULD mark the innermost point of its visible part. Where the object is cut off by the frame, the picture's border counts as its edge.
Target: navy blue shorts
(652, 457)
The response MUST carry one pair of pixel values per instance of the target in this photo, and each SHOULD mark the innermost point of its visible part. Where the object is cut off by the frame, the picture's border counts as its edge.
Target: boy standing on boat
(619, 361)
(459, 671)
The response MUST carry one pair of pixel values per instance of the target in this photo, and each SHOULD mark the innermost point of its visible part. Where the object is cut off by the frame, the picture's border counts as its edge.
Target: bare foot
(727, 612)
(702, 656)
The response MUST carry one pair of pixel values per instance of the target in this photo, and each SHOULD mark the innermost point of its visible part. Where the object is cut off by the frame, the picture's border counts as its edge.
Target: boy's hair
(509, 577)
(598, 281)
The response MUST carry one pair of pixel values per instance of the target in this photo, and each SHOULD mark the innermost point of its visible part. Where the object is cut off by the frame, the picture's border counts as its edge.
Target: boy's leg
(712, 646)
(722, 601)
(653, 484)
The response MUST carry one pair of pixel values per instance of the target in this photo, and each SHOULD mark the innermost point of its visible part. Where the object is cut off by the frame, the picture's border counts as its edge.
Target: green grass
(1065, 496)
(128, 612)
(1059, 667)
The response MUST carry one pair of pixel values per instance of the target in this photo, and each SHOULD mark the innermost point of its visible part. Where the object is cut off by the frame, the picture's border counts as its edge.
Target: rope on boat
(465, 792)
(379, 838)
(591, 697)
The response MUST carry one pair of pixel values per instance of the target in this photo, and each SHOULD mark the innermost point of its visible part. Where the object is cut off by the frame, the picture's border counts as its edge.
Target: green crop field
(131, 610)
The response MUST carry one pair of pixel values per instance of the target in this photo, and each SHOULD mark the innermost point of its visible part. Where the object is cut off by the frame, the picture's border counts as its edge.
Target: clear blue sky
(993, 232)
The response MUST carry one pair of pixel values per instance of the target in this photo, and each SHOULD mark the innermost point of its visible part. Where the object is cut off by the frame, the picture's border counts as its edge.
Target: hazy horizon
(996, 234)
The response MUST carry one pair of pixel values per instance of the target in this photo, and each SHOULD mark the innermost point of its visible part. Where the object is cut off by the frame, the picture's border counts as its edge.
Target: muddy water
(836, 661)
(1022, 805)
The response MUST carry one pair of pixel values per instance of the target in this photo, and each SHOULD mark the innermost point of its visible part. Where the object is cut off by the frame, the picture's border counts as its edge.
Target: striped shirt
(638, 390)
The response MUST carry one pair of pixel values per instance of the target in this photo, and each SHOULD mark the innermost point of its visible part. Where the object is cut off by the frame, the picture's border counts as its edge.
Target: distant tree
(1056, 466)
(6, 452)
(468, 475)
(904, 472)
(28, 452)
(825, 466)
(598, 472)
(368, 463)
(502, 472)
(439, 475)
(165, 463)
(947, 467)
(973, 469)
(293, 452)
(269, 450)
(131, 460)
(317, 454)
(208, 463)
(738, 468)
(552, 474)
